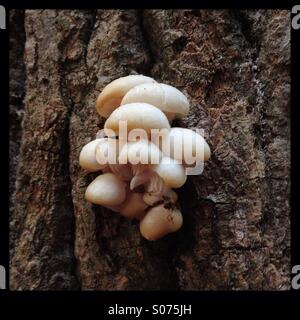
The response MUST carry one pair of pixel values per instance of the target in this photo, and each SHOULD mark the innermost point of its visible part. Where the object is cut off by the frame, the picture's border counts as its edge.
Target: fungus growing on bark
(111, 96)
(136, 116)
(87, 157)
(160, 221)
(138, 174)
(107, 190)
(172, 172)
(165, 97)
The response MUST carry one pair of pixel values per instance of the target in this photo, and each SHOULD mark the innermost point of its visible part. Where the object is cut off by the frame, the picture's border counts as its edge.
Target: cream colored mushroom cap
(179, 141)
(107, 151)
(163, 96)
(137, 116)
(172, 172)
(107, 190)
(111, 96)
(87, 157)
(160, 221)
(140, 152)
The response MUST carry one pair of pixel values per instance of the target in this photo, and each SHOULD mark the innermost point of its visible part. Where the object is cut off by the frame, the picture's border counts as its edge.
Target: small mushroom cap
(159, 221)
(111, 96)
(134, 206)
(107, 190)
(172, 172)
(87, 157)
(136, 116)
(165, 97)
(140, 152)
(107, 151)
(185, 145)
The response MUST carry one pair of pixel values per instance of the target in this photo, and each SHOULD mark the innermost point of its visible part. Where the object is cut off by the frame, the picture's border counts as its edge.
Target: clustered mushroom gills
(142, 187)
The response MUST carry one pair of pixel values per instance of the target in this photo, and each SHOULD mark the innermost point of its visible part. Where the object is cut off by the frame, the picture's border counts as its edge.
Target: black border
(295, 144)
(153, 4)
(270, 300)
(4, 145)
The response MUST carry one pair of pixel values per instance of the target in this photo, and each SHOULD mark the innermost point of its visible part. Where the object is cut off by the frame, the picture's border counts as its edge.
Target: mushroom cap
(107, 151)
(165, 97)
(172, 172)
(107, 190)
(137, 116)
(133, 206)
(87, 157)
(111, 96)
(140, 152)
(159, 221)
(185, 145)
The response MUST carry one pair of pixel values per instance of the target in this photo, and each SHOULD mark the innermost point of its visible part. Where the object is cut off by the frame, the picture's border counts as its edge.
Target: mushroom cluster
(139, 173)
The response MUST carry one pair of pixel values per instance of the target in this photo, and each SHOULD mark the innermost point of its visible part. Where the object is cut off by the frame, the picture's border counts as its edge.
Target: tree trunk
(234, 68)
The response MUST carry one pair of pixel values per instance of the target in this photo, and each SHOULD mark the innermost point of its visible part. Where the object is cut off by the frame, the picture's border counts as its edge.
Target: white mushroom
(111, 96)
(172, 172)
(136, 115)
(142, 152)
(142, 157)
(185, 145)
(107, 190)
(107, 152)
(87, 157)
(165, 97)
(160, 221)
(155, 190)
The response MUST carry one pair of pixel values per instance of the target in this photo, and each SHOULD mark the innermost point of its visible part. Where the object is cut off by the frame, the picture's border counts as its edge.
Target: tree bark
(234, 68)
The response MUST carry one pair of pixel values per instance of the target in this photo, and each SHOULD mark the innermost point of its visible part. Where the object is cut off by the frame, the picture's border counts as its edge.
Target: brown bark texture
(234, 67)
